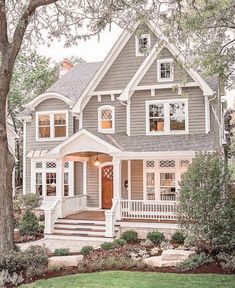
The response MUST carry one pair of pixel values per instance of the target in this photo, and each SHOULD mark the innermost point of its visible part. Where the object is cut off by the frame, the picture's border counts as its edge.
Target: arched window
(106, 117)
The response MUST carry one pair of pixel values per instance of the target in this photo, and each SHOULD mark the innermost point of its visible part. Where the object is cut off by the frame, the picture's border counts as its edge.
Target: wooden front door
(107, 186)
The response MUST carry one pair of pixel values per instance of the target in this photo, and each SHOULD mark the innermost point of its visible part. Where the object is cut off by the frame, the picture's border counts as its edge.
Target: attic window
(165, 70)
(106, 115)
(142, 44)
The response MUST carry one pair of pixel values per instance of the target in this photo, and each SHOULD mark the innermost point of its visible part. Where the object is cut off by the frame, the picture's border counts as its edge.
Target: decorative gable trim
(103, 69)
(45, 96)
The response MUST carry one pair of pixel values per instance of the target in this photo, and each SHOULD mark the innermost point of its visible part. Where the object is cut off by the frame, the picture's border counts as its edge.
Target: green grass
(116, 279)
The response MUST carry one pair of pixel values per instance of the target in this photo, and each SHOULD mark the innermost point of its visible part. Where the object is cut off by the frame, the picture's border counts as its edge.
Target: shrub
(107, 245)
(227, 261)
(61, 252)
(155, 237)
(119, 242)
(29, 201)
(178, 237)
(29, 224)
(206, 206)
(130, 236)
(13, 261)
(37, 259)
(195, 261)
(86, 250)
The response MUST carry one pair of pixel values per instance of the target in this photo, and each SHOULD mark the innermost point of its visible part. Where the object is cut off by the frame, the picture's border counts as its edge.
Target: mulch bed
(26, 238)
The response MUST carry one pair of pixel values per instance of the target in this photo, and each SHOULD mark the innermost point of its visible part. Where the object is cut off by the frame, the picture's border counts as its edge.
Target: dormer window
(106, 115)
(51, 125)
(142, 44)
(165, 70)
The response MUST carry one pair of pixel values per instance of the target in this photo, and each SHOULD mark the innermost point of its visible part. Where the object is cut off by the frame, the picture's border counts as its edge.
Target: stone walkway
(52, 244)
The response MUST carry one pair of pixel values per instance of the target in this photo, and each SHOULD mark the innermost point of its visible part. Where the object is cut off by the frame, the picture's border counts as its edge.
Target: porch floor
(87, 215)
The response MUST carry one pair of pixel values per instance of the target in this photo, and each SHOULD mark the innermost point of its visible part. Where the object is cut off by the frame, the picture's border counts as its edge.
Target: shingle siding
(78, 178)
(137, 179)
(196, 109)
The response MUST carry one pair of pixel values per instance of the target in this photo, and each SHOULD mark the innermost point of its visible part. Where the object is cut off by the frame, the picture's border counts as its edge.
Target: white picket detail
(156, 210)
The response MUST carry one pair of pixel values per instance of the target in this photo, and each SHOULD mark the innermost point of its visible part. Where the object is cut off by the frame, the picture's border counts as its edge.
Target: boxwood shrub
(178, 237)
(130, 236)
(86, 250)
(155, 237)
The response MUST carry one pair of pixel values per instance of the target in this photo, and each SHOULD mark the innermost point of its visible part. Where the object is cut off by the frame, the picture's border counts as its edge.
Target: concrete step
(79, 237)
(78, 226)
(88, 232)
(80, 222)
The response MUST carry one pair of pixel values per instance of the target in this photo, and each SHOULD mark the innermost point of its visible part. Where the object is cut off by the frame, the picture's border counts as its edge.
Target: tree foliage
(206, 204)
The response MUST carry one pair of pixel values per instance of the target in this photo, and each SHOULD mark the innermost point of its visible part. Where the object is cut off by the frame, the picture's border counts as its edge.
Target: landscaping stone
(65, 261)
(154, 251)
(169, 258)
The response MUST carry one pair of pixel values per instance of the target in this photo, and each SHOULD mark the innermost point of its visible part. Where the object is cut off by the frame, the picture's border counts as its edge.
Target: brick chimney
(66, 66)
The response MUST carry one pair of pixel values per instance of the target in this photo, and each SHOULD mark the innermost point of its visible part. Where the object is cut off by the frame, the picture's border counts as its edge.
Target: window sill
(106, 131)
(167, 133)
(51, 139)
(165, 79)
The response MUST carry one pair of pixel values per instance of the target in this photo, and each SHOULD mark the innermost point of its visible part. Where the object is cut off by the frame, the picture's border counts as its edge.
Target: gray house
(106, 145)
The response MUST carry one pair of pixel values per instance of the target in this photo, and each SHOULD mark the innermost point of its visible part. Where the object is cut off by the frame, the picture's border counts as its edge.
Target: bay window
(167, 116)
(51, 125)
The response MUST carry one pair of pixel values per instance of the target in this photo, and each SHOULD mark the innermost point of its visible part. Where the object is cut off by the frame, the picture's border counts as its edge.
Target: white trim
(129, 178)
(45, 96)
(103, 130)
(104, 67)
(127, 155)
(109, 148)
(137, 51)
(107, 92)
(166, 86)
(128, 118)
(84, 177)
(52, 126)
(166, 60)
(207, 114)
(166, 117)
(24, 156)
(100, 180)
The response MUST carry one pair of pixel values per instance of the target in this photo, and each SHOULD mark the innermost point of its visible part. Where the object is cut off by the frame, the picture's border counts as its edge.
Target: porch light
(97, 162)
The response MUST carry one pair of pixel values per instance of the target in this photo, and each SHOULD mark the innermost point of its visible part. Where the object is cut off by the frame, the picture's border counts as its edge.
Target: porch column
(117, 185)
(85, 181)
(60, 182)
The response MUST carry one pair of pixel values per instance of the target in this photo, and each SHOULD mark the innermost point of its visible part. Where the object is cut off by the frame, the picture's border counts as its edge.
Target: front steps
(90, 230)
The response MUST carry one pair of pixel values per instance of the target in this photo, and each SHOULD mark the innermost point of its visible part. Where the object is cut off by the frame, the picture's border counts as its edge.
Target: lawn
(116, 279)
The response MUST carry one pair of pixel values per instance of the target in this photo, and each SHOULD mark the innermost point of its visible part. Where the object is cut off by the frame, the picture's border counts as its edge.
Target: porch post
(60, 182)
(85, 181)
(117, 185)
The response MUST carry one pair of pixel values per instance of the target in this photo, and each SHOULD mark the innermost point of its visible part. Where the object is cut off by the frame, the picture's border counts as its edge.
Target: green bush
(86, 250)
(13, 261)
(37, 259)
(178, 237)
(61, 252)
(29, 224)
(195, 261)
(130, 236)
(107, 245)
(206, 208)
(119, 242)
(227, 261)
(29, 201)
(155, 237)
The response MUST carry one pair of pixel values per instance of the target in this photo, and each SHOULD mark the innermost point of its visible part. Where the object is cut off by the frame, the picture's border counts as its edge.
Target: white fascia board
(125, 155)
(104, 67)
(167, 86)
(141, 71)
(56, 150)
(45, 96)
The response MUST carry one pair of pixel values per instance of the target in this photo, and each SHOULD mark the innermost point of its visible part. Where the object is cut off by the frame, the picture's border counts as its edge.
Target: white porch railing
(141, 209)
(73, 204)
(51, 215)
(111, 216)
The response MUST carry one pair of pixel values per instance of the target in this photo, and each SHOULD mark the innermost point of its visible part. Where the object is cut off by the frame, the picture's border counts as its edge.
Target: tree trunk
(6, 168)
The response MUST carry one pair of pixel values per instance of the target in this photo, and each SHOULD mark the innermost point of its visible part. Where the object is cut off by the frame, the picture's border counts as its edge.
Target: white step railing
(111, 216)
(141, 209)
(73, 204)
(51, 215)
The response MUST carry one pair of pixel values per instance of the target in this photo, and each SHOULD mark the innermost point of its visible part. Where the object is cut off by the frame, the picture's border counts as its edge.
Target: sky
(93, 50)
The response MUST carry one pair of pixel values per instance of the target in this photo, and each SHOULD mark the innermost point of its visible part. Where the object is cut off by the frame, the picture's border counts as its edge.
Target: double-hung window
(106, 119)
(142, 44)
(165, 70)
(167, 116)
(51, 125)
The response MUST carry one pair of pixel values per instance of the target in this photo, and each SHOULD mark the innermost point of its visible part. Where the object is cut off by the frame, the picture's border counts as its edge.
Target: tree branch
(3, 27)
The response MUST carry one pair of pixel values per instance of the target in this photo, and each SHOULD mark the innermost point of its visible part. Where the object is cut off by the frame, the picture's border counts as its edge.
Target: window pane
(51, 184)
(44, 120)
(150, 186)
(156, 110)
(44, 132)
(39, 183)
(106, 119)
(165, 70)
(60, 119)
(106, 124)
(66, 184)
(177, 116)
(143, 44)
(157, 124)
(167, 186)
(60, 131)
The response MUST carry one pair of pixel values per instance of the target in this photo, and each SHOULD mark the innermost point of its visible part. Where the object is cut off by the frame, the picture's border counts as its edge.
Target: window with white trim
(167, 116)
(142, 44)
(45, 178)
(106, 119)
(51, 125)
(165, 70)
(167, 186)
